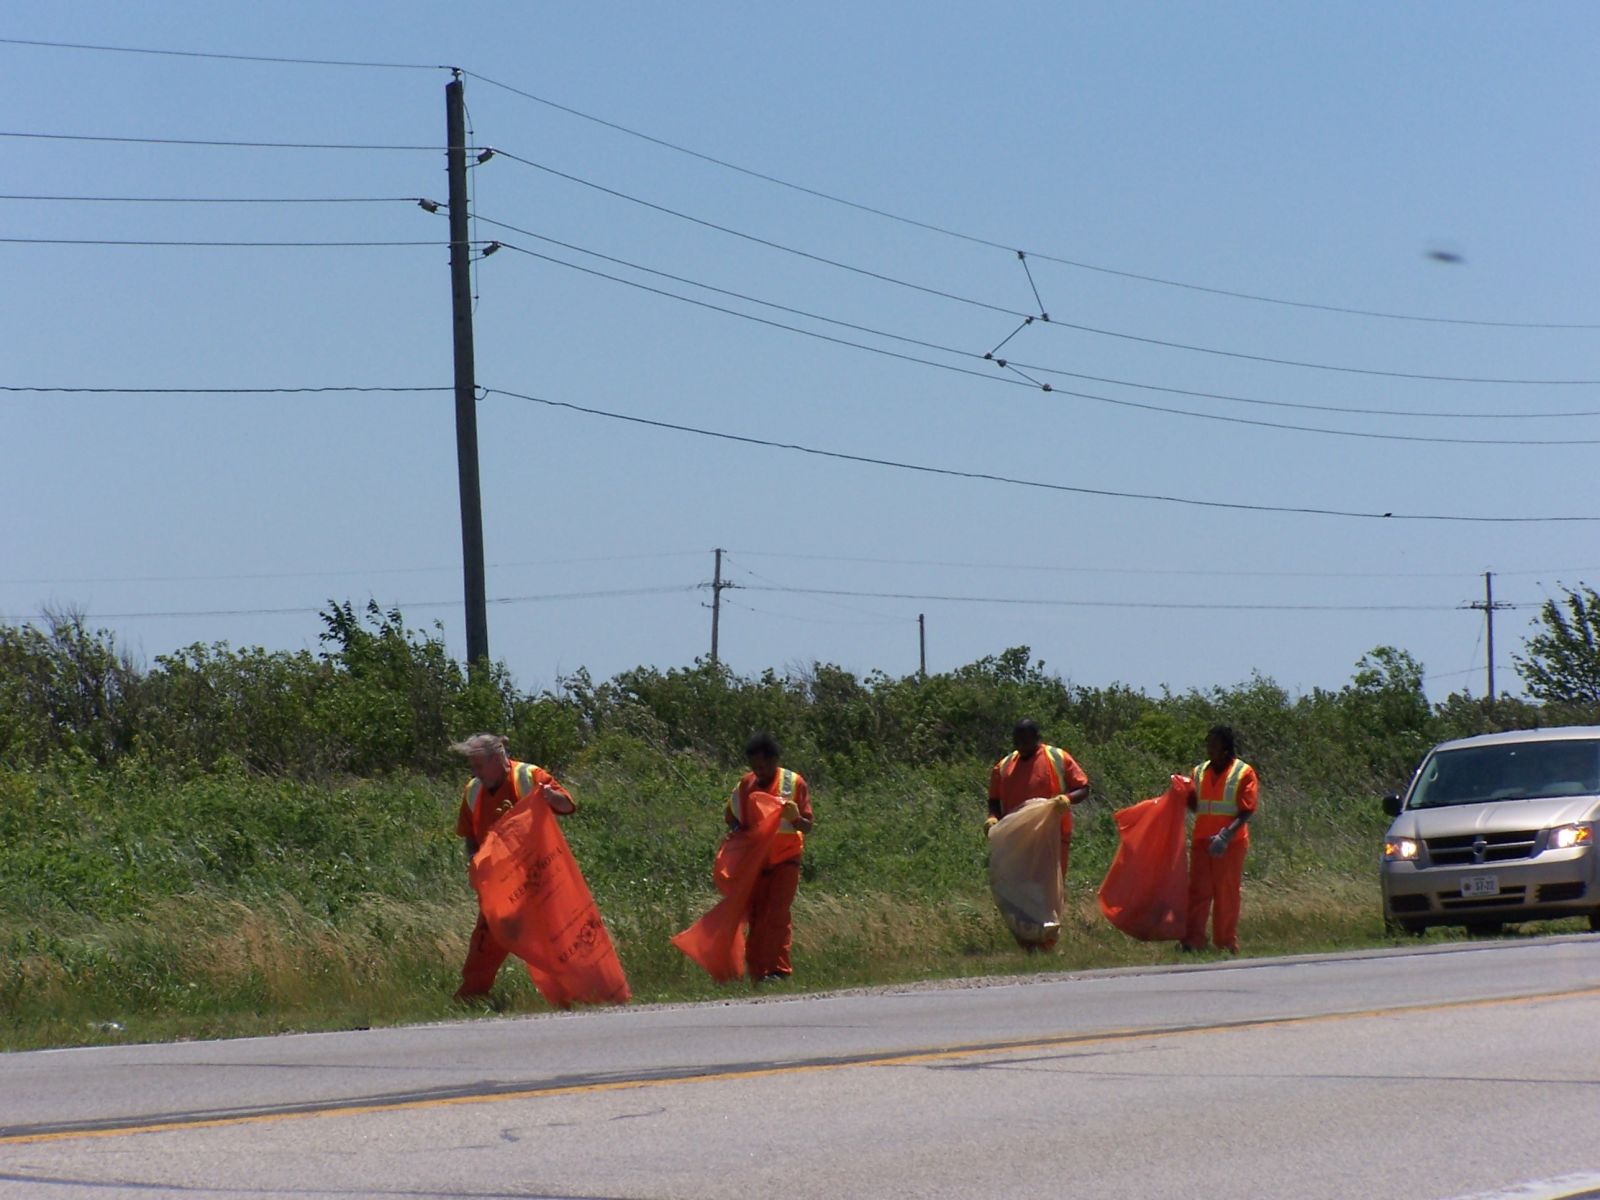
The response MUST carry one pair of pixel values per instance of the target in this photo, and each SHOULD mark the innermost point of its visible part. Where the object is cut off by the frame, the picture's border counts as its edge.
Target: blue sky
(1314, 153)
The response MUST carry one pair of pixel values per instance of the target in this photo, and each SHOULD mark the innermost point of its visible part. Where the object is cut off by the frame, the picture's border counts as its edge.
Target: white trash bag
(1025, 872)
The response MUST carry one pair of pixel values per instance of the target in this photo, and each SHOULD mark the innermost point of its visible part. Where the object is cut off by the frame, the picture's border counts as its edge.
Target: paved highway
(1422, 1074)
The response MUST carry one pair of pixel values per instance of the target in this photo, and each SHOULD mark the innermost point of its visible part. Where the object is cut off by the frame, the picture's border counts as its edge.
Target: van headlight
(1567, 836)
(1399, 850)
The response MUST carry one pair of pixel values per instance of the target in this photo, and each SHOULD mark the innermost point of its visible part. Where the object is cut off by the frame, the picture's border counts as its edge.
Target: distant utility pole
(718, 584)
(922, 647)
(477, 609)
(1487, 606)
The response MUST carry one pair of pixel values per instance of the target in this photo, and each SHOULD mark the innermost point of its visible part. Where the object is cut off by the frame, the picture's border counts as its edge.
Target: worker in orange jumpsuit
(1223, 796)
(1033, 770)
(498, 782)
(771, 933)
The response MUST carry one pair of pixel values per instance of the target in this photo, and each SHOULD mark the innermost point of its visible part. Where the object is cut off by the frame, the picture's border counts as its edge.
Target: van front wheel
(1594, 920)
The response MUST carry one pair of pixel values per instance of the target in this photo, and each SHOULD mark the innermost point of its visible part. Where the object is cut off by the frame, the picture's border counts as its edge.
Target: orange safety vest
(790, 842)
(523, 785)
(1056, 758)
(1216, 796)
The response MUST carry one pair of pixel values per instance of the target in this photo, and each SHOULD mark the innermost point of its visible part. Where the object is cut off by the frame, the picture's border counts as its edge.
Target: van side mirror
(1391, 804)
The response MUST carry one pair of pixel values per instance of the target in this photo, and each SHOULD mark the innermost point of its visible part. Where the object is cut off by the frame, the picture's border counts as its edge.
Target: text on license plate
(1480, 885)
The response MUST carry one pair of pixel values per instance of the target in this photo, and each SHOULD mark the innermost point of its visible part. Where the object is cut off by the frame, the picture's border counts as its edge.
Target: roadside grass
(146, 906)
(206, 966)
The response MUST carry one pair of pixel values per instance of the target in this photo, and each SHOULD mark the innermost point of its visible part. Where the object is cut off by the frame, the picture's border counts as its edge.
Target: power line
(923, 468)
(1082, 570)
(1018, 314)
(815, 192)
(360, 572)
(1025, 381)
(303, 245)
(974, 355)
(412, 604)
(761, 241)
(260, 58)
(212, 199)
(1077, 264)
(881, 616)
(234, 144)
(769, 612)
(223, 391)
(1075, 603)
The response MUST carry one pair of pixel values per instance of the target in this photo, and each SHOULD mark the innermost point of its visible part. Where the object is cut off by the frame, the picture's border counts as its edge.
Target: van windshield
(1515, 771)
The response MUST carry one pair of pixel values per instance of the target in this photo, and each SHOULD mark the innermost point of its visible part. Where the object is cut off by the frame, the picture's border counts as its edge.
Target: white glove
(1219, 844)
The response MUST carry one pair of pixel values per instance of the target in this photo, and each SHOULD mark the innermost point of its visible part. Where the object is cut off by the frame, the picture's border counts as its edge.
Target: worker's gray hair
(481, 743)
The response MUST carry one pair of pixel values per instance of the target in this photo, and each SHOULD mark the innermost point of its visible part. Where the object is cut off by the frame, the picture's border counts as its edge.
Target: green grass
(138, 906)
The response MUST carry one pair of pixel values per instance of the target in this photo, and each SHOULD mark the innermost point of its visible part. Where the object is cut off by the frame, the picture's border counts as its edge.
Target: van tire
(1485, 928)
(1594, 920)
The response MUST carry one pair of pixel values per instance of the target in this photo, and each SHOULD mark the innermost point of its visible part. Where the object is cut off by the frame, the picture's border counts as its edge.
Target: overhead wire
(210, 199)
(1061, 260)
(1073, 602)
(1075, 569)
(946, 231)
(924, 468)
(259, 58)
(756, 575)
(354, 571)
(409, 604)
(218, 142)
(1048, 370)
(1017, 314)
(198, 242)
(1022, 380)
(771, 612)
(217, 391)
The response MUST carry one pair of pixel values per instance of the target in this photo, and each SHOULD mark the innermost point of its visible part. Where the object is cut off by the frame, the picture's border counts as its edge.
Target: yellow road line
(908, 1058)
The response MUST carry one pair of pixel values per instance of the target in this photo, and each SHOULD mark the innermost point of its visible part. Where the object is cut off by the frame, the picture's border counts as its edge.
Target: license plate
(1480, 885)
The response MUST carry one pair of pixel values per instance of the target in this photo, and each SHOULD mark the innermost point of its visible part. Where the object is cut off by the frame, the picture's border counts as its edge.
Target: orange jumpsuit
(480, 809)
(1218, 795)
(771, 935)
(1050, 772)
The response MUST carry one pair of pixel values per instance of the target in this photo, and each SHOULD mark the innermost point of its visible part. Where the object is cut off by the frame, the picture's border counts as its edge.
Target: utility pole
(1487, 607)
(466, 381)
(717, 586)
(922, 647)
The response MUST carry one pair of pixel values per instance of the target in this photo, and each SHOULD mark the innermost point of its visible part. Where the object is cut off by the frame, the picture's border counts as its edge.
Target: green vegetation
(238, 841)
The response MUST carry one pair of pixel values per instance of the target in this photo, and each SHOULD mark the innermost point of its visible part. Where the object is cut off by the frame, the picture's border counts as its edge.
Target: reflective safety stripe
(522, 785)
(786, 780)
(1226, 804)
(525, 782)
(786, 792)
(1058, 764)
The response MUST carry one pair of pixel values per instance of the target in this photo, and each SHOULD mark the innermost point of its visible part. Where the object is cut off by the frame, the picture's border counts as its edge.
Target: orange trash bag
(538, 906)
(1145, 891)
(716, 941)
(1025, 872)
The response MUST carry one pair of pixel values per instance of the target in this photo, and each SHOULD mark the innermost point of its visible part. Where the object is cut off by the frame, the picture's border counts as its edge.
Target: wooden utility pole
(477, 610)
(922, 647)
(716, 605)
(1488, 607)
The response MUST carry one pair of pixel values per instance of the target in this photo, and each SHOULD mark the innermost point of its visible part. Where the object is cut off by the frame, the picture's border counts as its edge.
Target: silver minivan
(1497, 828)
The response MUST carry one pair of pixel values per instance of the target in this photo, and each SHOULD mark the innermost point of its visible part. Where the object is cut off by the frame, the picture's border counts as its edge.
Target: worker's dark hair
(1224, 733)
(761, 743)
(1027, 726)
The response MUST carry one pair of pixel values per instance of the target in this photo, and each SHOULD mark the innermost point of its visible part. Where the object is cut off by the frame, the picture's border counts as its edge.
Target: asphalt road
(1440, 1073)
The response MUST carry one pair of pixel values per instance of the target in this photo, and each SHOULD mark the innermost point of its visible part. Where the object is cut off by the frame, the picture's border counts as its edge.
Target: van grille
(1464, 849)
(1551, 893)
